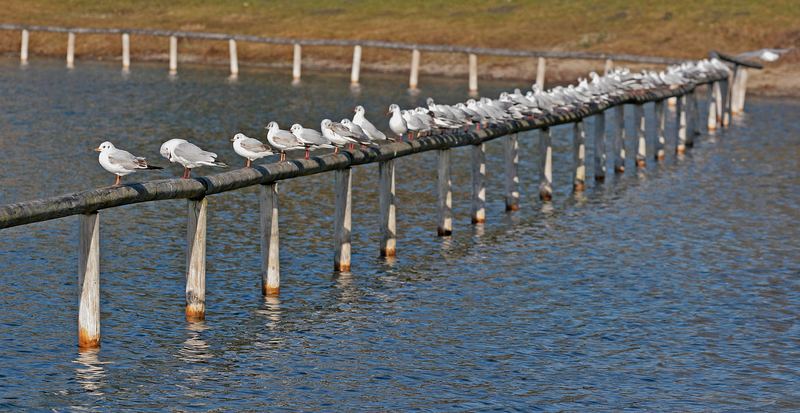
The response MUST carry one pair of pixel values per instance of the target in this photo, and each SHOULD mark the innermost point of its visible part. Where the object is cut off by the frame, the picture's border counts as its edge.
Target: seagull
(358, 133)
(338, 134)
(281, 140)
(372, 132)
(249, 148)
(189, 155)
(397, 124)
(309, 138)
(119, 162)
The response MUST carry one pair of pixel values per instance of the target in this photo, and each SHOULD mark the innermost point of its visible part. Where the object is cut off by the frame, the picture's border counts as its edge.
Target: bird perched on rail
(282, 140)
(310, 138)
(369, 129)
(358, 134)
(338, 134)
(119, 162)
(397, 124)
(249, 148)
(189, 155)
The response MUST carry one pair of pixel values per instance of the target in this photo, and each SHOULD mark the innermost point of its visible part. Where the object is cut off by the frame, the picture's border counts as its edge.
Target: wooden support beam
(546, 165)
(641, 135)
(126, 51)
(388, 209)
(680, 125)
(511, 144)
(270, 240)
(741, 87)
(579, 156)
(413, 79)
(619, 140)
(445, 194)
(173, 55)
(473, 73)
(479, 183)
(234, 58)
(726, 100)
(343, 220)
(89, 281)
(296, 63)
(661, 139)
(70, 50)
(196, 260)
(540, 71)
(693, 116)
(355, 70)
(600, 147)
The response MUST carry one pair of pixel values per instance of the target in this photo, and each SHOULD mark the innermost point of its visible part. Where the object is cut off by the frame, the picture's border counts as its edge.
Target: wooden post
(718, 103)
(343, 220)
(355, 71)
(196, 260)
(609, 66)
(579, 156)
(126, 51)
(414, 77)
(473, 73)
(540, 69)
(680, 125)
(270, 240)
(388, 210)
(70, 50)
(512, 177)
(661, 140)
(546, 165)
(234, 58)
(173, 55)
(600, 147)
(741, 87)
(296, 63)
(641, 151)
(619, 140)
(726, 99)
(694, 118)
(89, 281)
(445, 226)
(479, 183)
(23, 51)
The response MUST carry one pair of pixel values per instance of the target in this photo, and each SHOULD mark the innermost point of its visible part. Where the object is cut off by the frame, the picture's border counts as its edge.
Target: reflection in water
(90, 374)
(478, 230)
(195, 354)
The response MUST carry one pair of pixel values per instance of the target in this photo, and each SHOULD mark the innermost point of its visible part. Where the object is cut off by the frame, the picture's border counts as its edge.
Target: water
(673, 288)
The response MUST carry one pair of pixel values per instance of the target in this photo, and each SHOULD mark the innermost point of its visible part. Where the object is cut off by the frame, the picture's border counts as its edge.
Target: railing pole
(126, 51)
(579, 156)
(445, 198)
(355, 71)
(540, 70)
(741, 83)
(726, 100)
(196, 260)
(343, 220)
(89, 281)
(234, 58)
(718, 107)
(479, 183)
(680, 118)
(70, 50)
(641, 135)
(546, 165)
(23, 51)
(414, 77)
(619, 140)
(173, 55)
(270, 240)
(512, 176)
(600, 146)
(609, 66)
(473, 73)
(388, 209)
(661, 140)
(694, 118)
(296, 63)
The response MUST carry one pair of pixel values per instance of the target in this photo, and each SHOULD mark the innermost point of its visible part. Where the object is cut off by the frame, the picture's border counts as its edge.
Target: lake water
(673, 288)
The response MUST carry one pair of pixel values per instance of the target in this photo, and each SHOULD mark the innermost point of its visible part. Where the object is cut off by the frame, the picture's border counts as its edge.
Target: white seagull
(249, 148)
(369, 129)
(189, 155)
(397, 124)
(309, 138)
(119, 162)
(282, 140)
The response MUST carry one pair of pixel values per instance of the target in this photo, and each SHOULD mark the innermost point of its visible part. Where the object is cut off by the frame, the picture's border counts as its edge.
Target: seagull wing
(193, 153)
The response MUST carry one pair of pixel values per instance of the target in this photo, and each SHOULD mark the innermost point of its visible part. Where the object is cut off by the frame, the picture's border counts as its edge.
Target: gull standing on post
(119, 162)
(397, 124)
(309, 138)
(189, 155)
(281, 140)
(372, 132)
(249, 148)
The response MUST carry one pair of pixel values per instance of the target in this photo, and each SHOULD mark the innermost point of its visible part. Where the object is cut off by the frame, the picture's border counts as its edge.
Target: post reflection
(195, 353)
(90, 373)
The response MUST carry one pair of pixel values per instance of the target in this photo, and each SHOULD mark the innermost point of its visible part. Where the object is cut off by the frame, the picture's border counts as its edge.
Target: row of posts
(686, 127)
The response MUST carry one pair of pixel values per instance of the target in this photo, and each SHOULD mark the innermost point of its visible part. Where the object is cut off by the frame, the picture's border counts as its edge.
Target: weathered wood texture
(661, 139)
(511, 144)
(355, 69)
(297, 61)
(445, 194)
(641, 135)
(680, 125)
(579, 156)
(196, 259)
(343, 222)
(541, 67)
(545, 165)
(89, 281)
(234, 57)
(270, 240)
(388, 209)
(619, 140)
(600, 147)
(413, 79)
(479, 183)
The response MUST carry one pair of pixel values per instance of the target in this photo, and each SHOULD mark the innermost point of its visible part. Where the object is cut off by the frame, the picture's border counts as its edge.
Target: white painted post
(23, 51)
(89, 281)
(126, 51)
(579, 156)
(196, 260)
(234, 58)
(600, 147)
(619, 140)
(296, 63)
(540, 69)
(479, 183)
(641, 152)
(414, 77)
(661, 139)
(680, 117)
(173, 55)
(473, 73)
(712, 108)
(546, 165)
(70, 50)
(726, 99)
(270, 240)
(355, 71)
(742, 90)
(512, 177)
(445, 227)
(609, 66)
(343, 220)
(388, 209)
(694, 118)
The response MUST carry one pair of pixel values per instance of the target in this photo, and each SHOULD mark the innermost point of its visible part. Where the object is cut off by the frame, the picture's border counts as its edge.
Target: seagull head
(392, 108)
(238, 136)
(296, 128)
(169, 146)
(103, 146)
(272, 125)
(359, 109)
(326, 123)
(346, 122)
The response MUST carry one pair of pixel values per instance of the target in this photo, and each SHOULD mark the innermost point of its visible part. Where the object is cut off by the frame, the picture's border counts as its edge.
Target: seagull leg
(186, 172)
(117, 180)
(335, 149)
(248, 163)
(307, 152)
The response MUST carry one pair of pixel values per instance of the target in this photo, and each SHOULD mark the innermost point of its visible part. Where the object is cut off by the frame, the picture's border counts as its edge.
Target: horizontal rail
(90, 201)
(736, 60)
(363, 43)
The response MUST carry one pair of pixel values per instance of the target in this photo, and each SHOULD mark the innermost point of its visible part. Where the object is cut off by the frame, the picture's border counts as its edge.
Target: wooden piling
(609, 66)
(473, 73)
(414, 77)
(641, 136)
(234, 58)
(196, 260)
(661, 139)
(579, 156)
(693, 115)
(511, 144)
(126, 51)
(23, 50)
(741, 90)
(712, 108)
(296, 63)
(619, 140)
(173, 55)
(445, 226)
(89, 281)
(680, 125)
(718, 105)
(388, 209)
(540, 70)
(479, 183)
(270, 240)
(600, 147)
(343, 220)
(70, 50)
(726, 102)
(546, 165)
(355, 71)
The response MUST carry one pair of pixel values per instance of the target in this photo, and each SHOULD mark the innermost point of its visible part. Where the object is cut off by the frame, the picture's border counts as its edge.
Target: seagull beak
(231, 139)
(388, 112)
(98, 149)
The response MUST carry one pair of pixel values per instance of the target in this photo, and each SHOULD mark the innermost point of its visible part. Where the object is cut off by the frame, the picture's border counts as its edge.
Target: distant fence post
(343, 220)
(540, 69)
(126, 51)
(609, 66)
(473, 73)
(234, 58)
(445, 194)
(89, 281)
(680, 125)
(641, 134)
(413, 79)
(619, 140)
(600, 146)
(661, 140)
(70, 50)
(579, 156)
(512, 176)
(196, 260)
(355, 71)
(296, 63)
(270, 240)
(173, 55)
(23, 50)
(479, 183)
(545, 165)
(388, 209)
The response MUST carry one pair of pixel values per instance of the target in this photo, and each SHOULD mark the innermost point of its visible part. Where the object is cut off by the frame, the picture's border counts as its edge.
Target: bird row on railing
(420, 121)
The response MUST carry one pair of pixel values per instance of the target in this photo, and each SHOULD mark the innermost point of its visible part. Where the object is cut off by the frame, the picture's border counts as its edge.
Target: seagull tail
(153, 167)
